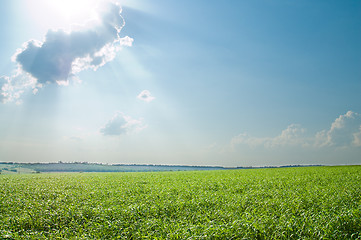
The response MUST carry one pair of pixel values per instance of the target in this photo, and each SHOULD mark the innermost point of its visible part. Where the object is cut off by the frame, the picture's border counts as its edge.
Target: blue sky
(232, 83)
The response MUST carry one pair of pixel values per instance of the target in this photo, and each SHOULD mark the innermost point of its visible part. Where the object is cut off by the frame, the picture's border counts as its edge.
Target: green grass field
(281, 203)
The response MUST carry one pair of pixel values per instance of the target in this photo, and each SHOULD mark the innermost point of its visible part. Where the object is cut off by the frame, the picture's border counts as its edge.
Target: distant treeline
(100, 167)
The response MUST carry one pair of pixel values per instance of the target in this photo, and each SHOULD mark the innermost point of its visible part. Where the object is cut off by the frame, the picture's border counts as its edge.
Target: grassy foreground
(285, 203)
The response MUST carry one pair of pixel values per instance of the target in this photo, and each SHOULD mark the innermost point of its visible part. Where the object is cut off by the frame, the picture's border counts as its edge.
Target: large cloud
(63, 54)
(344, 131)
(121, 124)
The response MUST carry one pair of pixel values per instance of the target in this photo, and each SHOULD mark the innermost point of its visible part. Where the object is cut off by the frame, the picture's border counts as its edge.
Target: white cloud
(293, 135)
(121, 124)
(63, 54)
(344, 131)
(11, 89)
(145, 96)
(357, 138)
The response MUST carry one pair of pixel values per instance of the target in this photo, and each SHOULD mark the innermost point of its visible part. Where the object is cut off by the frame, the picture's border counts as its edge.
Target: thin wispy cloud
(61, 55)
(145, 96)
(121, 124)
(293, 135)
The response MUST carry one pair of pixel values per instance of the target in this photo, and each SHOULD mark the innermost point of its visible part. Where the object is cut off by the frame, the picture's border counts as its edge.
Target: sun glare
(70, 8)
(70, 11)
(74, 9)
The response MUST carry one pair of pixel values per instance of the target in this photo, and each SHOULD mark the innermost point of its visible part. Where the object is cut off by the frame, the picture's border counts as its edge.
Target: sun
(63, 14)
(70, 8)
(72, 11)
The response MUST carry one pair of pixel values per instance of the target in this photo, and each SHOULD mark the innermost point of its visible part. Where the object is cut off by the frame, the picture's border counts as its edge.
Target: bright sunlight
(72, 11)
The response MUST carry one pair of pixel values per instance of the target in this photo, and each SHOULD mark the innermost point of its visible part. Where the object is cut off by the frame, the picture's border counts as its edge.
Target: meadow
(279, 203)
